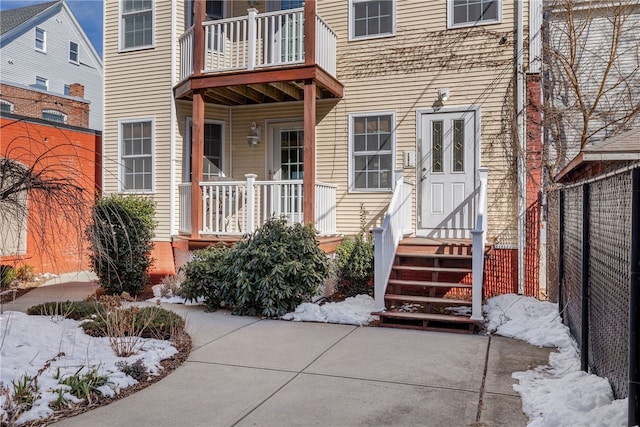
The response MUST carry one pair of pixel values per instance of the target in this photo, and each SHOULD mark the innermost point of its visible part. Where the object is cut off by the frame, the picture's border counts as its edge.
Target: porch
(234, 208)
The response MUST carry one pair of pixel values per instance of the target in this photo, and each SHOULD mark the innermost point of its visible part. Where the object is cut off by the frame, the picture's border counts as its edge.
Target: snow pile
(558, 394)
(28, 343)
(170, 298)
(352, 311)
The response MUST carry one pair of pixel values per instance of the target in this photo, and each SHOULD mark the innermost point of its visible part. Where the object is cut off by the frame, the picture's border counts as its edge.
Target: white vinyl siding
(371, 18)
(136, 24)
(465, 13)
(41, 40)
(136, 155)
(372, 143)
(74, 56)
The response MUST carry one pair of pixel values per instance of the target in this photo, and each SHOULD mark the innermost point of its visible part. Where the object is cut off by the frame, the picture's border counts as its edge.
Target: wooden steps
(430, 287)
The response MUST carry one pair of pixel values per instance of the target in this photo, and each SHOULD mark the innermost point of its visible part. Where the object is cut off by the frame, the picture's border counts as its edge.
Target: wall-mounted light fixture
(253, 138)
(443, 94)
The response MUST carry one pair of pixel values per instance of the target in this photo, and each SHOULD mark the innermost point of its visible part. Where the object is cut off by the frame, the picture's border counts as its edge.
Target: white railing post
(251, 179)
(479, 237)
(380, 278)
(252, 39)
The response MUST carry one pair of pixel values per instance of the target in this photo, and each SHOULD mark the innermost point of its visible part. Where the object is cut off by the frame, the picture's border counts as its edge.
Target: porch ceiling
(260, 87)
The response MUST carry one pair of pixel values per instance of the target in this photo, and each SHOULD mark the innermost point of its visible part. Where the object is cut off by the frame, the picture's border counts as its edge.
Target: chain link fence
(588, 269)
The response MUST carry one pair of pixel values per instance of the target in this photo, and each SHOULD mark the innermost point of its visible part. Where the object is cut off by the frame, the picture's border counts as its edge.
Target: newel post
(253, 36)
(379, 270)
(251, 179)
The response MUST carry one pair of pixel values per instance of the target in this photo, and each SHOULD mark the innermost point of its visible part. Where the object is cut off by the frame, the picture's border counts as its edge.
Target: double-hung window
(372, 141)
(41, 40)
(465, 13)
(136, 24)
(73, 52)
(136, 155)
(41, 83)
(371, 18)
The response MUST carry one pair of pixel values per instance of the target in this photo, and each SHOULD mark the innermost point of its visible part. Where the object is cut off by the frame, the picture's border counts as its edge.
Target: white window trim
(451, 25)
(187, 145)
(46, 82)
(77, 61)
(352, 37)
(10, 104)
(55, 113)
(350, 163)
(121, 187)
(44, 40)
(121, 47)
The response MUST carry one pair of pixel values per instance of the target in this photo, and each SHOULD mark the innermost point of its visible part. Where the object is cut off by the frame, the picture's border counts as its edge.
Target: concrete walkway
(249, 372)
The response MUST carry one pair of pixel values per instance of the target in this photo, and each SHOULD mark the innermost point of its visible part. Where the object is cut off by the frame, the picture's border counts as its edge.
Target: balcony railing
(239, 207)
(258, 40)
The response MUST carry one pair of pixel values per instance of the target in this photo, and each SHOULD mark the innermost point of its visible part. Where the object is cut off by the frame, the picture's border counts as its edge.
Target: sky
(87, 12)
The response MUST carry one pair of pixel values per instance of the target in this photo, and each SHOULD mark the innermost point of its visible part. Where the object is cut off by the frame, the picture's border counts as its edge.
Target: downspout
(172, 122)
(522, 145)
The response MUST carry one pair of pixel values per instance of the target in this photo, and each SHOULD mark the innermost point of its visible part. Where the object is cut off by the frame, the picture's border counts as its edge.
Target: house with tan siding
(227, 113)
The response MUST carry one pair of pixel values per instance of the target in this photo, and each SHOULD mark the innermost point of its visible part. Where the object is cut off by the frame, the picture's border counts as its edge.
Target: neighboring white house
(44, 48)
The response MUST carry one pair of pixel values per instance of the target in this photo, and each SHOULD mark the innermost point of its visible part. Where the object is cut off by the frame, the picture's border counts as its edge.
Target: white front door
(288, 165)
(447, 174)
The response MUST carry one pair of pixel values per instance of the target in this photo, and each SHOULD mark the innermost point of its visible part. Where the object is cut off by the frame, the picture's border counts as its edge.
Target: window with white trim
(371, 18)
(6, 106)
(136, 156)
(67, 90)
(372, 145)
(41, 83)
(41, 40)
(465, 13)
(54, 116)
(73, 52)
(136, 24)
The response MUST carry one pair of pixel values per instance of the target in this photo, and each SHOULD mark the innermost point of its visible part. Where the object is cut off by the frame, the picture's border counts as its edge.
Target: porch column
(199, 13)
(310, 32)
(197, 148)
(309, 177)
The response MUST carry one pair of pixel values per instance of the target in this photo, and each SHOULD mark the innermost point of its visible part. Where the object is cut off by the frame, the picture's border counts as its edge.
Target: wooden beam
(247, 92)
(212, 95)
(232, 96)
(309, 176)
(309, 33)
(289, 89)
(197, 151)
(268, 91)
(200, 12)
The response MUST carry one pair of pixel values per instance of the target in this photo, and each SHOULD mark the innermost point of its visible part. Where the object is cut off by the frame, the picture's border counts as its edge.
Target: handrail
(387, 237)
(477, 249)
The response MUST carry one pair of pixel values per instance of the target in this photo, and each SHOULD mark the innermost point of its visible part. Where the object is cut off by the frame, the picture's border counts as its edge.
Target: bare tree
(592, 73)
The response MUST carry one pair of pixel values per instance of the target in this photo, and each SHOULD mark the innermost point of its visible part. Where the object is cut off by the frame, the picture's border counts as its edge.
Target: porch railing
(239, 207)
(479, 236)
(258, 40)
(396, 223)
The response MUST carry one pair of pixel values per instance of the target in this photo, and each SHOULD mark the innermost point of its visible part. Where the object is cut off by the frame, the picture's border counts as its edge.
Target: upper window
(372, 142)
(464, 13)
(67, 90)
(41, 39)
(214, 10)
(371, 18)
(136, 158)
(41, 83)
(136, 24)
(54, 116)
(6, 106)
(73, 52)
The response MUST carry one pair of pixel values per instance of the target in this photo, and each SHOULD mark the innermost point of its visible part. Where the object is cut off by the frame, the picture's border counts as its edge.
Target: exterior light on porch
(443, 94)
(253, 138)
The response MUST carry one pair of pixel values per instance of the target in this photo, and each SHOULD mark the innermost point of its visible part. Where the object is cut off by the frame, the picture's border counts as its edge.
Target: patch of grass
(76, 310)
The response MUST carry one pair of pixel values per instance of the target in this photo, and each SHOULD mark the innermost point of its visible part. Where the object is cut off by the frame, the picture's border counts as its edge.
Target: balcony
(234, 208)
(264, 53)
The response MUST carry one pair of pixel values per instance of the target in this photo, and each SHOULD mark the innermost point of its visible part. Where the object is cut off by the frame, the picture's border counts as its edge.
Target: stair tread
(427, 268)
(433, 256)
(425, 316)
(417, 298)
(426, 283)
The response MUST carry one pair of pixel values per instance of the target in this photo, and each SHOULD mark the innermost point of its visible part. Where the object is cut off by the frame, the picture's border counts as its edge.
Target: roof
(623, 147)
(11, 18)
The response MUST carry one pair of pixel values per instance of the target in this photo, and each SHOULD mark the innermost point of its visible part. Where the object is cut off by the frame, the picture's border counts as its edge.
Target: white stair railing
(477, 250)
(387, 237)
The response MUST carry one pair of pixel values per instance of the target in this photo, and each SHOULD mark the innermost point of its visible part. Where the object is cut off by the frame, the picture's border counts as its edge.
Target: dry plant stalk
(123, 326)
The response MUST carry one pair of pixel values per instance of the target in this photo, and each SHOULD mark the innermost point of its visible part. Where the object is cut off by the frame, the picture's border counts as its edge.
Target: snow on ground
(352, 311)
(27, 343)
(557, 394)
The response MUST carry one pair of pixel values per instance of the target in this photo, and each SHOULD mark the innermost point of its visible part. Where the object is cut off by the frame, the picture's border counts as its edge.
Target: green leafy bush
(147, 322)
(204, 274)
(136, 370)
(270, 272)
(354, 262)
(7, 275)
(25, 273)
(76, 310)
(121, 244)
